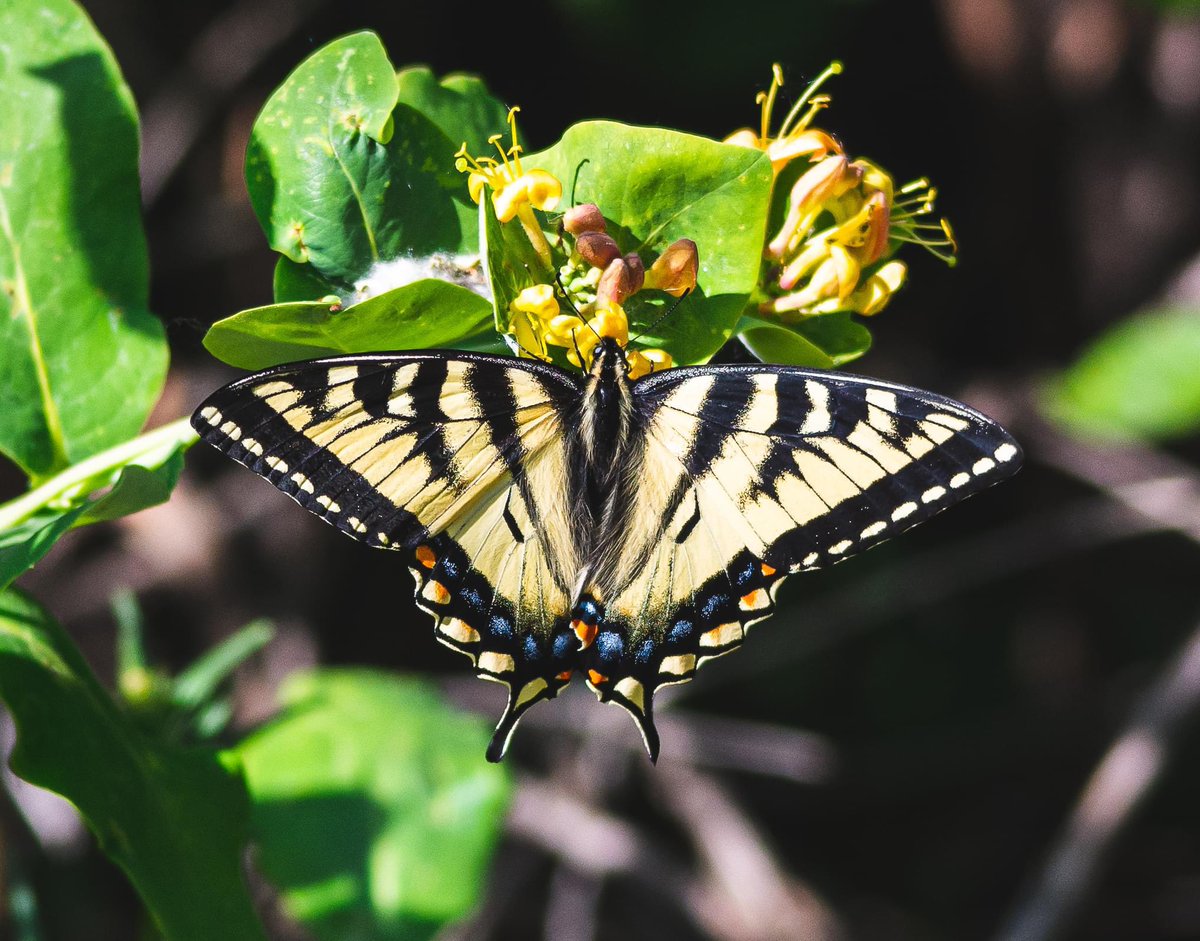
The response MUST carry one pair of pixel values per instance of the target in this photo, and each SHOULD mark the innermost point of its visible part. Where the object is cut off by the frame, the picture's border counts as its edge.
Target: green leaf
(174, 819)
(198, 684)
(1140, 380)
(374, 809)
(132, 476)
(460, 105)
(342, 177)
(300, 282)
(82, 357)
(822, 342)
(426, 313)
(24, 545)
(655, 186)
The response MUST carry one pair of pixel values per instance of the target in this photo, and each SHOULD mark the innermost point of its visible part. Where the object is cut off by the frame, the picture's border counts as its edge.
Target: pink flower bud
(674, 271)
(617, 282)
(597, 249)
(637, 272)
(585, 218)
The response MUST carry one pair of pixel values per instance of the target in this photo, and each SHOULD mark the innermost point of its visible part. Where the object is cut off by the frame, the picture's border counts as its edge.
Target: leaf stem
(62, 485)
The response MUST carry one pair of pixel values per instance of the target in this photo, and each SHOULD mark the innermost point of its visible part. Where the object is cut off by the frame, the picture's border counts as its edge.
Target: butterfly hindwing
(453, 459)
(749, 474)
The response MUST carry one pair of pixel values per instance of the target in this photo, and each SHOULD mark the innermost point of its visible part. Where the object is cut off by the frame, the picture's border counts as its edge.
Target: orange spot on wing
(767, 570)
(756, 600)
(584, 631)
(597, 678)
(564, 676)
(426, 556)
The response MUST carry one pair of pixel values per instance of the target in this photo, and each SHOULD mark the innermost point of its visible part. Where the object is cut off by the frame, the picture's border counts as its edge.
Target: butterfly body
(620, 530)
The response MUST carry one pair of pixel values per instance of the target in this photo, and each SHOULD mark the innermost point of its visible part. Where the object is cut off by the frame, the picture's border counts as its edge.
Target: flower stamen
(834, 68)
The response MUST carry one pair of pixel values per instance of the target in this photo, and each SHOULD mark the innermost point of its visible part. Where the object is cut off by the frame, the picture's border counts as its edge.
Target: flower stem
(65, 486)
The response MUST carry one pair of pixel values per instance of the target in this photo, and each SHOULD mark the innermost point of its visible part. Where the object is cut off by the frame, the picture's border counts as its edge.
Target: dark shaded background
(900, 752)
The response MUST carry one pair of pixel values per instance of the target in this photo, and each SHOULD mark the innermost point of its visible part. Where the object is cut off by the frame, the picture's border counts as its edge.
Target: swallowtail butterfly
(623, 531)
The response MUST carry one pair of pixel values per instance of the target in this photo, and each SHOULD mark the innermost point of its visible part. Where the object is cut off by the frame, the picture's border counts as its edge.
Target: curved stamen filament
(767, 99)
(834, 68)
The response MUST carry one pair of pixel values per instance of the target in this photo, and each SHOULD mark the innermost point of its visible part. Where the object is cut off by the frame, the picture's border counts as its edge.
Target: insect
(624, 531)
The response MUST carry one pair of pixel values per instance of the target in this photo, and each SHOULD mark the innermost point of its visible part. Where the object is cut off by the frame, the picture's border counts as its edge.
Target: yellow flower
(538, 300)
(795, 138)
(528, 313)
(516, 192)
(844, 218)
(644, 362)
(873, 296)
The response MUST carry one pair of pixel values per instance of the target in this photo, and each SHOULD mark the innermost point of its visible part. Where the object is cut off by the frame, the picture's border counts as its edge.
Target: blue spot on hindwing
(500, 626)
(680, 631)
(531, 648)
(610, 645)
(645, 651)
(710, 607)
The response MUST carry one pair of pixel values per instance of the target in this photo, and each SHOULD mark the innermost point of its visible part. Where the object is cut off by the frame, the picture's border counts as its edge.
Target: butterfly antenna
(661, 317)
(575, 341)
(571, 304)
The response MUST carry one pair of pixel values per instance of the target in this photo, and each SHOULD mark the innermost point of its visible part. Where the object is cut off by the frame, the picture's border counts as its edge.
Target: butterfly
(626, 531)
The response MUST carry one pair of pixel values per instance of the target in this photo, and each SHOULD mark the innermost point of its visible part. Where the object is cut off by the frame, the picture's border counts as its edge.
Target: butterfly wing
(457, 461)
(749, 474)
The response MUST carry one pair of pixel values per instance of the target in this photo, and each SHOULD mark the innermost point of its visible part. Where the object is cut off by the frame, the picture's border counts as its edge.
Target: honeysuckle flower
(844, 218)
(516, 192)
(795, 138)
(874, 294)
(529, 311)
(580, 338)
(538, 300)
(642, 362)
(597, 281)
(827, 179)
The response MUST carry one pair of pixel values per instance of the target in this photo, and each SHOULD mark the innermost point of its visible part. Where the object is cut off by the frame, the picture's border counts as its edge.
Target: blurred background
(983, 729)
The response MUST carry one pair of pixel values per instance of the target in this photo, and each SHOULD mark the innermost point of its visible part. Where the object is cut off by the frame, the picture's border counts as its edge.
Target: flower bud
(585, 218)
(637, 272)
(674, 271)
(597, 249)
(618, 282)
